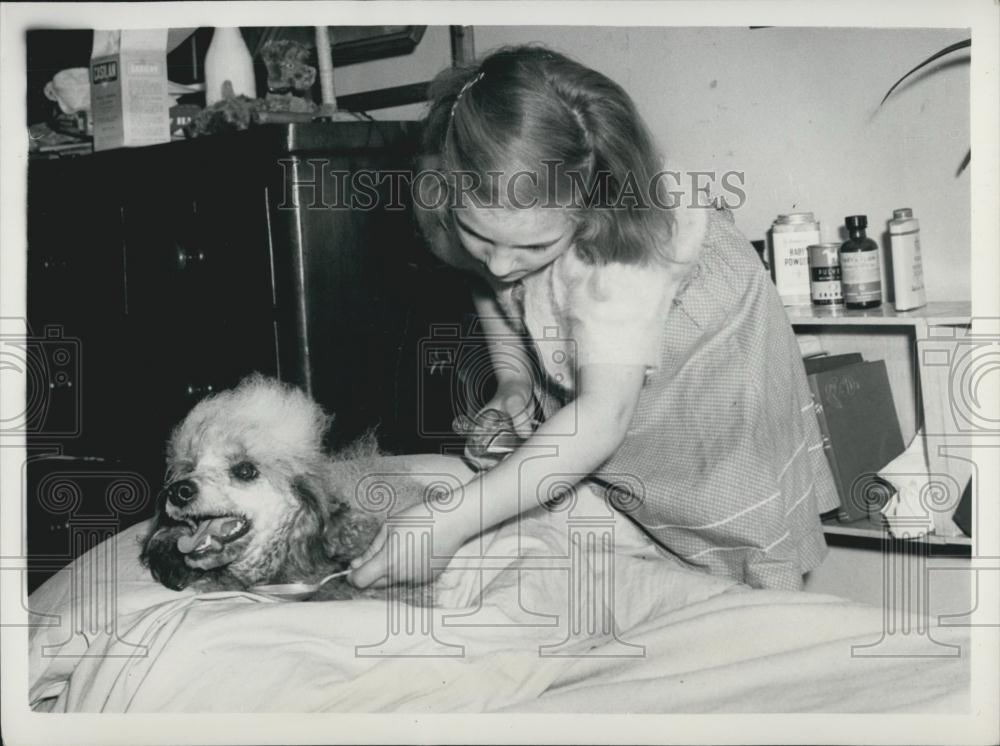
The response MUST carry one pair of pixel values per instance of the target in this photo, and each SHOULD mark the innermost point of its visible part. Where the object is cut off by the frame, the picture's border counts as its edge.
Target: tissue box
(128, 88)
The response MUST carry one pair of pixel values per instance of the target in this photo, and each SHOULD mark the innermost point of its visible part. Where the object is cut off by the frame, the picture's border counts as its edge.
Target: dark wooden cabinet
(172, 271)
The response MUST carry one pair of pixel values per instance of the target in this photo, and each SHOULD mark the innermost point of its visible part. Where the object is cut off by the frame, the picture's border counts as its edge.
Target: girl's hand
(514, 398)
(508, 411)
(387, 560)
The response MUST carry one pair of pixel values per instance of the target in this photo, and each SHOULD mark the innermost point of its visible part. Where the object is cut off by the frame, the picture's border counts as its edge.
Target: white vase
(228, 59)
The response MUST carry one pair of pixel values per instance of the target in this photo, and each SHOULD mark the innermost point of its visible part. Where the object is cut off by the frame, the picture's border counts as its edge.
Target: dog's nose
(182, 492)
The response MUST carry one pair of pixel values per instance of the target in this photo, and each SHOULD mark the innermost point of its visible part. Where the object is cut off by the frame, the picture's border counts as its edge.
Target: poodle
(250, 496)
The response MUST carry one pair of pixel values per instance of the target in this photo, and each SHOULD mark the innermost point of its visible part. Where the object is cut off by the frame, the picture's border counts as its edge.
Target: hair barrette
(468, 84)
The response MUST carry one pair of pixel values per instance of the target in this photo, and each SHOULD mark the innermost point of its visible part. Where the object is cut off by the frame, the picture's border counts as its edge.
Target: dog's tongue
(207, 535)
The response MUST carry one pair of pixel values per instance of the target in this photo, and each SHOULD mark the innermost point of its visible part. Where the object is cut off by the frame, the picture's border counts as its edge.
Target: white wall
(796, 110)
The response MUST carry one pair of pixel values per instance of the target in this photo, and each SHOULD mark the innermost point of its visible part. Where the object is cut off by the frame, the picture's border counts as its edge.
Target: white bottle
(228, 59)
(907, 266)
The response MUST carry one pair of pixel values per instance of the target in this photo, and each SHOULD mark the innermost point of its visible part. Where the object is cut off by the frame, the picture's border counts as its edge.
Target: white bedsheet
(686, 642)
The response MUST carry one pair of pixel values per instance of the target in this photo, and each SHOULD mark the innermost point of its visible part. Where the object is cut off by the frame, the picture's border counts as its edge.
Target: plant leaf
(965, 163)
(947, 50)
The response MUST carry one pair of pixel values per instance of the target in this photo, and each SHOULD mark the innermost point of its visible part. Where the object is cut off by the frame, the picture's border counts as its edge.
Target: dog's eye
(244, 471)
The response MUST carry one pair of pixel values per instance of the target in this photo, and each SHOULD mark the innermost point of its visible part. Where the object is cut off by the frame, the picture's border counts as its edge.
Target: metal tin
(791, 235)
(824, 274)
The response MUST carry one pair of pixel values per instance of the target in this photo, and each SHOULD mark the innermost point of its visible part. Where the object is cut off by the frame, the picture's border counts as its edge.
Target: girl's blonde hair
(525, 108)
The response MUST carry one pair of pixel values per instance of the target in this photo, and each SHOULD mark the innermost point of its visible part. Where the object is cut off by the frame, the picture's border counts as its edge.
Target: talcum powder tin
(791, 237)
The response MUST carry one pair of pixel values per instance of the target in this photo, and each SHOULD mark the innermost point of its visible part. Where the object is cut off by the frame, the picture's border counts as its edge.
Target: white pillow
(81, 601)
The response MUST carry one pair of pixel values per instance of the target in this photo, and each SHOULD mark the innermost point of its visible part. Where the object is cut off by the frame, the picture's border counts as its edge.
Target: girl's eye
(473, 245)
(244, 471)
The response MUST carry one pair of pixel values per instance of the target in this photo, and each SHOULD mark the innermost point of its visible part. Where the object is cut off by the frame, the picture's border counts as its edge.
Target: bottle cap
(855, 222)
(902, 213)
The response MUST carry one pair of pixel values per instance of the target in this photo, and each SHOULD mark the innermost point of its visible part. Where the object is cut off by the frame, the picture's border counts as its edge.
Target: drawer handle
(55, 264)
(188, 258)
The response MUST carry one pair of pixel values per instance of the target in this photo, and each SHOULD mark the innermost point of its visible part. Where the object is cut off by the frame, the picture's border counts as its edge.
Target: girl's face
(511, 243)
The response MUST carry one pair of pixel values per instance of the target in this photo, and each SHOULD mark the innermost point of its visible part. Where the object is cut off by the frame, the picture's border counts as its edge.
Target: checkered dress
(723, 463)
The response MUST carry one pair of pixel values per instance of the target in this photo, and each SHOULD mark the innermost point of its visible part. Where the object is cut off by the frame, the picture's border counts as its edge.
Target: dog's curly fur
(301, 504)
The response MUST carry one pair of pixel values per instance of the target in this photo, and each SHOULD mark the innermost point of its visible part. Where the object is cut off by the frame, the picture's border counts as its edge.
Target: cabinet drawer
(74, 258)
(176, 363)
(191, 258)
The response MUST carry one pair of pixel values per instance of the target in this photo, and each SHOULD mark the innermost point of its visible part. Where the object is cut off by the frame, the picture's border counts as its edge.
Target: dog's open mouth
(211, 534)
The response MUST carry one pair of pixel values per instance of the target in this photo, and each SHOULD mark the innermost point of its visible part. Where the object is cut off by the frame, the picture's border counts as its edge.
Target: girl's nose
(499, 264)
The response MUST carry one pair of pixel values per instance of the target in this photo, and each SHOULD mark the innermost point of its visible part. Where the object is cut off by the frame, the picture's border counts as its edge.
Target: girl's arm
(511, 363)
(571, 444)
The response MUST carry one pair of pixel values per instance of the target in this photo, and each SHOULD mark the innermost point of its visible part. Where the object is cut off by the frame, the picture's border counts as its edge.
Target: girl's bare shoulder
(618, 287)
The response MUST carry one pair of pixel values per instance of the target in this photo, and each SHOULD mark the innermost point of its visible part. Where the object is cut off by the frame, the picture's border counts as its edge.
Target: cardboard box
(128, 88)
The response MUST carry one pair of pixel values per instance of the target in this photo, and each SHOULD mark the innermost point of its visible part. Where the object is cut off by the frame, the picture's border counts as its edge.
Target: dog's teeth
(203, 544)
(233, 526)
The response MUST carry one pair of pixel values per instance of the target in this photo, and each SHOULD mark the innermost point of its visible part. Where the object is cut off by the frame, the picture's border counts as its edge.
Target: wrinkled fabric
(527, 622)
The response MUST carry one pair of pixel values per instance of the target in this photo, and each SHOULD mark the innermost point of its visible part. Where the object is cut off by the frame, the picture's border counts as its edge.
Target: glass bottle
(859, 266)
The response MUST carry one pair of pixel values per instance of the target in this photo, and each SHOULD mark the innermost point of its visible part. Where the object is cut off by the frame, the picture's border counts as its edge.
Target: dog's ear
(164, 560)
(311, 532)
(327, 530)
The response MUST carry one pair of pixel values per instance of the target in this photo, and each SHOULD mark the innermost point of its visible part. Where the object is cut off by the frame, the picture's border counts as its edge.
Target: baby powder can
(824, 274)
(907, 267)
(791, 236)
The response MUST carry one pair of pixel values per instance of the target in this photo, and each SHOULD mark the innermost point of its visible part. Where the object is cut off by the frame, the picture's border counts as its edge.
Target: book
(820, 363)
(860, 430)
(824, 431)
(963, 513)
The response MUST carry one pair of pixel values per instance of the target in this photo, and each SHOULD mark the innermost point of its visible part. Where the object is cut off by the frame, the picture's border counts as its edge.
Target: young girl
(669, 364)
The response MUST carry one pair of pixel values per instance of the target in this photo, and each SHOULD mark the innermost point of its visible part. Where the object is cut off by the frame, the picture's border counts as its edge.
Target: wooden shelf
(869, 528)
(933, 314)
